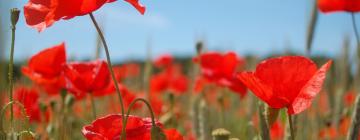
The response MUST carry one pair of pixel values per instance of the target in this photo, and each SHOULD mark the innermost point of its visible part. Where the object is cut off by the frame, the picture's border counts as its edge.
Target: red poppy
(289, 81)
(339, 5)
(41, 14)
(45, 68)
(164, 61)
(277, 131)
(126, 71)
(88, 77)
(128, 97)
(349, 98)
(220, 69)
(109, 128)
(171, 79)
(329, 132)
(30, 99)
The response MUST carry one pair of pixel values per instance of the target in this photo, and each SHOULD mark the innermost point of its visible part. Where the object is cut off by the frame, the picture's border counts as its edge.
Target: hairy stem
(110, 67)
(123, 136)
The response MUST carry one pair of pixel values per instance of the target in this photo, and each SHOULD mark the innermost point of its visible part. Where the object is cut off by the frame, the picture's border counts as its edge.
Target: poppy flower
(171, 79)
(127, 95)
(30, 99)
(45, 68)
(220, 69)
(349, 98)
(327, 6)
(289, 81)
(277, 131)
(329, 132)
(126, 71)
(88, 77)
(164, 61)
(109, 128)
(41, 14)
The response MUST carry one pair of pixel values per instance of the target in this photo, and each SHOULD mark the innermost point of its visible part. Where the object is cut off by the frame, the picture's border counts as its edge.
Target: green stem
(110, 67)
(93, 106)
(292, 136)
(356, 33)
(23, 111)
(123, 136)
(11, 74)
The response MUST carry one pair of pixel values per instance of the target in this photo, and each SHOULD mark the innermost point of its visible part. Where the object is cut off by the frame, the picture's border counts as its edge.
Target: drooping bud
(220, 134)
(157, 133)
(14, 12)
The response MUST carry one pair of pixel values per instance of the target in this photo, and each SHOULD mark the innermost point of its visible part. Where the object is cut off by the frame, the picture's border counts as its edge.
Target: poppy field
(210, 95)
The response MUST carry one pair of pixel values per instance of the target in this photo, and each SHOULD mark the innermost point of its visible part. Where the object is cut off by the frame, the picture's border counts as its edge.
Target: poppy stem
(109, 66)
(148, 106)
(356, 33)
(93, 105)
(14, 18)
(123, 135)
(353, 131)
(292, 136)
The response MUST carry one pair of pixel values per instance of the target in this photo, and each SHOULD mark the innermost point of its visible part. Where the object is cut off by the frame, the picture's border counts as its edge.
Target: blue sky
(258, 27)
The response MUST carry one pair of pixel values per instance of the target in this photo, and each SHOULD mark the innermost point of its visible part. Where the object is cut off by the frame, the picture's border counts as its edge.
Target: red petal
(173, 134)
(88, 77)
(339, 5)
(309, 91)
(35, 13)
(137, 5)
(229, 64)
(109, 128)
(261, 90)
(49, 61)
(286, 75)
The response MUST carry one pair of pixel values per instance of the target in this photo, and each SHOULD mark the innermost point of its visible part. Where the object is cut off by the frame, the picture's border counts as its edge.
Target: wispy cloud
(152, 20)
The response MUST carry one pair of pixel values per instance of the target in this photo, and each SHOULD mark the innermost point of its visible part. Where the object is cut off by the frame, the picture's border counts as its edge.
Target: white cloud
(121, 16)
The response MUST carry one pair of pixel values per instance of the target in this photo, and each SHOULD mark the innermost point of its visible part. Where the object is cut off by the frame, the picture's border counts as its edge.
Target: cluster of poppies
(290, 82)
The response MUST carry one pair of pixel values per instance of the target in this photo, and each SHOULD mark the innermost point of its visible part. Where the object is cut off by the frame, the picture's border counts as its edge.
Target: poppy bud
(157, 133)
(53, 105)
(14, 16)
(63, 93)
(271, 115)
(69, 100)
(42, 107)
(220, 134)
(199, 47)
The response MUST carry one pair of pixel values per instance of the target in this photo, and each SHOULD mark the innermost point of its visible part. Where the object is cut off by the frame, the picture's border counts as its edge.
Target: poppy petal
(327, 6)
(260, 89)
(286, 75)
(137, 5)
(309, 91)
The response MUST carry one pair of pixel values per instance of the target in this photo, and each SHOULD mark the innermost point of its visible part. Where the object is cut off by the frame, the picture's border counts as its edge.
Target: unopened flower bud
(220, 134)
(199, 47)
(14, 12)
(157, 133)
(42, 107)
(69, 100)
